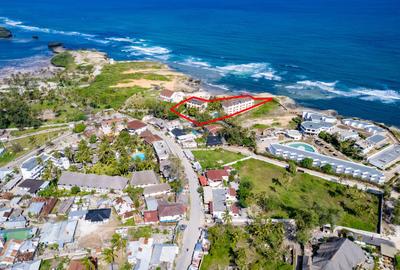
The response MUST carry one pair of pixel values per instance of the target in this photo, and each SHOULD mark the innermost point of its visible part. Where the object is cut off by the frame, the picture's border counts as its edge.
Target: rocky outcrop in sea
(5, 33)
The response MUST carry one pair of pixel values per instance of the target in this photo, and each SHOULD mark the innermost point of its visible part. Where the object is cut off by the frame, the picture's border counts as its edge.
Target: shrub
(79, 128)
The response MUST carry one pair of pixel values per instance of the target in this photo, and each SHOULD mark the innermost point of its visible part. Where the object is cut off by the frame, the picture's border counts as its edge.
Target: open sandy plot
(146, 83)
(95, 235)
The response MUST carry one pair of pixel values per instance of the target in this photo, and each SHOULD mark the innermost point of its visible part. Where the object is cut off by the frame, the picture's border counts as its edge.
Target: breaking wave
(254, 70)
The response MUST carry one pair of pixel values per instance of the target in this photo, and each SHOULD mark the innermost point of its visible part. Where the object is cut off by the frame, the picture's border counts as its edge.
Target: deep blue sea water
(327, 54)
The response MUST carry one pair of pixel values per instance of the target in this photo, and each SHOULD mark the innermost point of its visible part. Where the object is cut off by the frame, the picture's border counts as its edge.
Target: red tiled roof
(76, 265)
(216, 175)
(232, 192)
(135, 124)
(166, 93)
(203, 180)
(150, 216)
(149, 137)
(213, 128)
(235, 209)
(173, 209)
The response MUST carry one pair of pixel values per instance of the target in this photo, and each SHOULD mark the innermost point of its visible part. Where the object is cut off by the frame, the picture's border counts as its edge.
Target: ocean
(331, 54)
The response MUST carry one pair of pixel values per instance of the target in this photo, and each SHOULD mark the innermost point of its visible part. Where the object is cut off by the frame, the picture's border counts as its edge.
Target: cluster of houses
(200, 250)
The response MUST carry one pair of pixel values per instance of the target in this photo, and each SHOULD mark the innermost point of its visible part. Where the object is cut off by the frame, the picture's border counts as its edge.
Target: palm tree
(226, 217)
(118, 242)
(109, 255)
(88, 263)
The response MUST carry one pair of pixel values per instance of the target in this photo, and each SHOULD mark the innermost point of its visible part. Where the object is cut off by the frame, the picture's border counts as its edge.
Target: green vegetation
(136, 233)
(347, 147)
(45, 265)
(259, 126)
(264, 110)
(397, 262)
(103, 93)
(79, 128)
(17, 133)
(64, 59)
(236, 135)
(256, 246)
(17, 148)
(212, 159)
(299, 196)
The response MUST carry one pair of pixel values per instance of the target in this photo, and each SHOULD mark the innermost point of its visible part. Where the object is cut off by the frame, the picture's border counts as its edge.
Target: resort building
(339, 166)
(89, 182)
(344, 134)
(318, 117)
(232, 106)
(386, 158)
(171, 96)
(364, 125)
(314, 128)
(144, 178)
(197, 104)
(293, 134)
(371, 142)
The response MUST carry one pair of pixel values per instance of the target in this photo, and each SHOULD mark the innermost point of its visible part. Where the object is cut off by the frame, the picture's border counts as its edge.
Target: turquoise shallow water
(342, 55)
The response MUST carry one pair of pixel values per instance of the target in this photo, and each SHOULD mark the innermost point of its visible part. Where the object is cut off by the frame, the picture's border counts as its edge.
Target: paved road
(37, 133)
(17, 162)
(196, 215)
(332, 178)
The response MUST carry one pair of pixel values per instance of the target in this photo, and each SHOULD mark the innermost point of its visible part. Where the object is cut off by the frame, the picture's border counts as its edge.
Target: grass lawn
(355, 208)
(264, 109)
(17, 133)
(212, 159)
(27, 144)
(104, 95)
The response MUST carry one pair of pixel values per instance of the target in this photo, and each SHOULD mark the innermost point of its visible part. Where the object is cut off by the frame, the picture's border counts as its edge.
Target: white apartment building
(236, 105)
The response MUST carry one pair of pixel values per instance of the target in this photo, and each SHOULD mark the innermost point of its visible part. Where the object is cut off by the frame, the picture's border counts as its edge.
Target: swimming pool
(303, 146)
(140, 155)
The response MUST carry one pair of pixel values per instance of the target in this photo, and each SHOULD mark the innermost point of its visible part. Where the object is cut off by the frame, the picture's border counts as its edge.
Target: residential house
(149, 137)
(235, 105)
(231, 195)
(9, 253)
(144, 178)
(31, 265)
(113, 126)
(27, 250)
(170, 212)
(173, 124)
(89, 182)
(150, 216)
(35, 208)
(139, 253)
(162, 150)
(164, 254)
(213, 141)
(203, 181)
(16, 222)
(171, 96)
(213, 129)
(136, 127)
(60, 233)
(218, 205)
(33, 167)
(216, 177)
(197, 104)
(207, 195)
(181, 136)
(31, 186)
(4, 173)
(156, 190)
(98, 215)
(339, 253)
(124, 207)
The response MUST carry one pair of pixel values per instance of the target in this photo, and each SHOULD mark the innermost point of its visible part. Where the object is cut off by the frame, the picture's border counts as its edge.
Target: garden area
(214, 159)
(281, 194)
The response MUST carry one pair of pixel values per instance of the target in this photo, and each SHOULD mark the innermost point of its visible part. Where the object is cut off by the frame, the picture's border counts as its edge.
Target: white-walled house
(171, 96)
(33, 167)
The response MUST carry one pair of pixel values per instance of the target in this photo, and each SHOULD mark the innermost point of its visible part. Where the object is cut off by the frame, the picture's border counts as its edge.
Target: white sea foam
(21, 25)
(196, 62)
(331, 90)
(386, 96)
(122, 39)
(146, 50)
(254, 70)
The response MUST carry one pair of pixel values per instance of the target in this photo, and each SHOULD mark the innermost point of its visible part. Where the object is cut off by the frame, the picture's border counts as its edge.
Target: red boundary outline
(172, 109)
